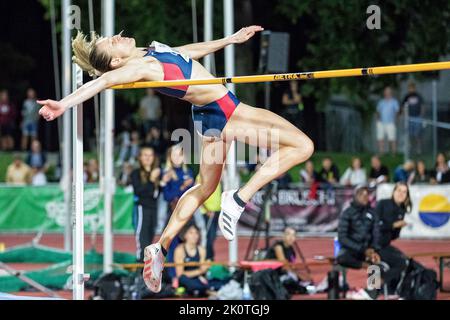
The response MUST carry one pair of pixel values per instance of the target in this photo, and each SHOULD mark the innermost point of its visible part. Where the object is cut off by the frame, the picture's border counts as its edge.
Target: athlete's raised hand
(51, 109)
(244, 34)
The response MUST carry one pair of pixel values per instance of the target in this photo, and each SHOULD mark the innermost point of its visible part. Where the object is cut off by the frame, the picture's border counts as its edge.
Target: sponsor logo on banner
(434, 210)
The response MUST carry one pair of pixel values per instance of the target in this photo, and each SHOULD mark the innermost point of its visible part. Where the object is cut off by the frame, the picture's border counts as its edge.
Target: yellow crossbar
(359, 72)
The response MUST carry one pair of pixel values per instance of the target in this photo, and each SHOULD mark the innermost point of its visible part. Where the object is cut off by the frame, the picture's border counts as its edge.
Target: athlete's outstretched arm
(52, 109)
(199, 50)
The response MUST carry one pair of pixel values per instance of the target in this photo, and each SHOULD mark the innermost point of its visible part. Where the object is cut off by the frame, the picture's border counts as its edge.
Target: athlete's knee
(304, 150)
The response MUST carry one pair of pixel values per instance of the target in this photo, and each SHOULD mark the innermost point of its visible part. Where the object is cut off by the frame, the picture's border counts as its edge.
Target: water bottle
(246, 293)
(337, 246)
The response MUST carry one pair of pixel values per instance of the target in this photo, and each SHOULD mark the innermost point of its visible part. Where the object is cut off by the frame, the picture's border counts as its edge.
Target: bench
(440, 256)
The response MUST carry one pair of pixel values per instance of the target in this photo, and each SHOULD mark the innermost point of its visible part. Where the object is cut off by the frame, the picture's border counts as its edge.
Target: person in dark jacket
(357, 233)
(391, 213)
(145, 181)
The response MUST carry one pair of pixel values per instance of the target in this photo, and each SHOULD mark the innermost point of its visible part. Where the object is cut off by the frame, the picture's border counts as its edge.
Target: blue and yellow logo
(434, 210)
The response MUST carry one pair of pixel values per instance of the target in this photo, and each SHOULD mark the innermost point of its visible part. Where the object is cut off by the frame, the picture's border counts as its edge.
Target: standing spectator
(156, 141)
(125, 143)
(124, 178)
(355, 174)
(8, 116)
(292, 102)
(134, 147)
(379, 173)
(150, 110)
(30, 118)
(211, 210)
(145, 181)
(442, 174)
(18, 173)
(422, 175)
(177, 178)
(36, 157)
(308, 174)
(391, 213)
(405, 172)
(413, 103)
(387, 111)
(329, 172)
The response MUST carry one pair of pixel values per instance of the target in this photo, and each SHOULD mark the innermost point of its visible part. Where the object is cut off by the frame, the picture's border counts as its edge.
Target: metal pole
(66, 158)
(435, 118)
(78, 276)
(194, 21)
(109, 181)
(233, 176)
(208, 30)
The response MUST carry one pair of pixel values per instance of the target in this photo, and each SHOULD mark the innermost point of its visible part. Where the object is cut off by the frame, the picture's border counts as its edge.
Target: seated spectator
(379, 173)
(92, 171)
(38, 177)
(391, 213)
(284, 251)
(308, 174)
(405, 172)
(193, 278)
(134, 147)
(36, 157)
(442, 171)
(125, 143)
(329, 172)
(422, 175)
(18, 173)
(358, 235)
(30, 117)
(354, 175)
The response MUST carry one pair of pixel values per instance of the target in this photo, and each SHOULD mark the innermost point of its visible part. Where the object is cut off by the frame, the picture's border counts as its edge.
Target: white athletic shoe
(153, 267)
(361, 294)
(229, 215)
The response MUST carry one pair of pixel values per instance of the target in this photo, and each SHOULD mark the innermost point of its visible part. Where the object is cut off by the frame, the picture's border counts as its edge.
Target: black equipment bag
(108, 287)
(418, 282)
(266, 285)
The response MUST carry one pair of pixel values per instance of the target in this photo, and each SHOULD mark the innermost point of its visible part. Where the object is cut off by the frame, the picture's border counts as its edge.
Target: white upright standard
(232, 175)
(78, 276)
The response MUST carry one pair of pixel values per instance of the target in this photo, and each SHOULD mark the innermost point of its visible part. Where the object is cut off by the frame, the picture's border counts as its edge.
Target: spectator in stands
(193, 278)
(413, 103)
(387, 112)
(150, 110)
(156, 141)
(8, 116)
(379, 173)
(292, 103)
(18, 173)
(92, 171)
(30, 118)
(38, 177)
(355, 174)
(308, 174)
(391, 213)
(359, 236)
(145, 182)
(124, 178)
(125, 143)
(210, 210)
(134, 147)
(442, 171)
(329, 172)
(176, 179)
(405, 172)
(36, 158)
(422, 175)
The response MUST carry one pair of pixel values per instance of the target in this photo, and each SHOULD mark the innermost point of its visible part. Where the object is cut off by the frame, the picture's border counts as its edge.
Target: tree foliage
(337, 37)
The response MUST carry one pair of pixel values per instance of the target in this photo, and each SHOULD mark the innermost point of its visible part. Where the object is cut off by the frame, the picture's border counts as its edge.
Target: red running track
(310, 247)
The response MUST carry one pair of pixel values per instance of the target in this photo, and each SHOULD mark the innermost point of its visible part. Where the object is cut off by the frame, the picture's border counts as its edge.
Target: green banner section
(30, 209)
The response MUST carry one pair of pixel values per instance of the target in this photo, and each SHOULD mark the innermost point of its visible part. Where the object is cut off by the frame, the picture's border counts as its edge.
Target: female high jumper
(222, 118)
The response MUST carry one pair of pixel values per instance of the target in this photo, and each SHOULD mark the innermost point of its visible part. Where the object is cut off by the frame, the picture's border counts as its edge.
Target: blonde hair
(87, 56)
